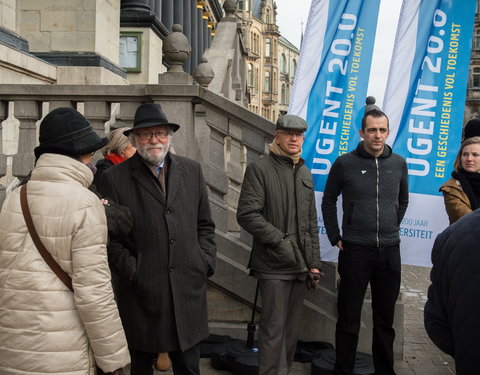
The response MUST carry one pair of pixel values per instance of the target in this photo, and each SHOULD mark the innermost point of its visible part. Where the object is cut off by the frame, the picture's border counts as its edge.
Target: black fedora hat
(148, 115)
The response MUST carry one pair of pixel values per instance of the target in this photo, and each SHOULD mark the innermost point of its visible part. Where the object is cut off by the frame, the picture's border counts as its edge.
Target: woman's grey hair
(117, 142)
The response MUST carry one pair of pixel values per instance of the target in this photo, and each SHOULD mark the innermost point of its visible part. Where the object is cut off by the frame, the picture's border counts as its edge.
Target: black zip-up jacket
(374, 198)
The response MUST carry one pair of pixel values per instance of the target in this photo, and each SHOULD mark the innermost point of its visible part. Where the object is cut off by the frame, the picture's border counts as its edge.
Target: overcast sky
(292, 13)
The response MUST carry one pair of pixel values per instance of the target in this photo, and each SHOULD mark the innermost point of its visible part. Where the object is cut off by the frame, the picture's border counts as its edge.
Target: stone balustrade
(215, 131)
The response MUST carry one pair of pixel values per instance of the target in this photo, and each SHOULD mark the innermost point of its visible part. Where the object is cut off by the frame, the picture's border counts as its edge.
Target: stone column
(3, 157)
(28, 112)
(201, 47)
(167, 14)
(142, 5)
(157, 8)
(178, 12)
(187, 30)
(194, 37)
(206, 31)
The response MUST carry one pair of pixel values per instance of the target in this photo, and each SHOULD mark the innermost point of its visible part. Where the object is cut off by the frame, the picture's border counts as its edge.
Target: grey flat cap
(291, 122)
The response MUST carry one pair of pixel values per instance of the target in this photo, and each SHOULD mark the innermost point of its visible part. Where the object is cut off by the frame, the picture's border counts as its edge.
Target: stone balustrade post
(98, 113)
(54, 104)
(28, 112)
(3, 157)
(126, 113)
(210, 129)
(234, 158)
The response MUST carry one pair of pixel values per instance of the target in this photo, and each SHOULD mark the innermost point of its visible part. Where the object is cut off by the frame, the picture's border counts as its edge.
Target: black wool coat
(163, 264)
(452, 310)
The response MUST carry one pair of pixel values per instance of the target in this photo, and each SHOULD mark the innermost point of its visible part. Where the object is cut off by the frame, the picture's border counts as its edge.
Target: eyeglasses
(291, 134)
(159, 134)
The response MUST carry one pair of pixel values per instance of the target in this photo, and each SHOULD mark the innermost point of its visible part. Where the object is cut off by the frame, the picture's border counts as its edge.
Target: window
(267, 16)
(131, 51)
(250, 75)
(256, 78)
(294, 67)
(266, 83)
(476, 77)
(274, 83)
(476, 39)
(283, 94)
(283, 63)
(268, 47)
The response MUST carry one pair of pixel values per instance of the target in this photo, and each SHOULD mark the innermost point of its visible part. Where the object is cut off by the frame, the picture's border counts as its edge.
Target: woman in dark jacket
(118, 149)
(461, 193)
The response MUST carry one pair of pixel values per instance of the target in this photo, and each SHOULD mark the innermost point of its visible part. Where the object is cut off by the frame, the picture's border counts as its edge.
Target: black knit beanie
(66, 131)
(472, 129)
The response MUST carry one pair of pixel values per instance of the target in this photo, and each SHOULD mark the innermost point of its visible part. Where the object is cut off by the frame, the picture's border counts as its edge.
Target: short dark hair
(374, 113)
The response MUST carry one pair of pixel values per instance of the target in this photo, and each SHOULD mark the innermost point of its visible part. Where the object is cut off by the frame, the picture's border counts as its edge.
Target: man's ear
(361, 133)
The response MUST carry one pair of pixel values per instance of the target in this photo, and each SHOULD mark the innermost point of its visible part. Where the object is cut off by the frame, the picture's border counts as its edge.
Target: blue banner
(336, 99)
(425, 101)
(430, 127)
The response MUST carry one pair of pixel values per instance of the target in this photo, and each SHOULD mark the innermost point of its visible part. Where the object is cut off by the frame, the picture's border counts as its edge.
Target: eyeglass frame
(143, 134)
(291, 133)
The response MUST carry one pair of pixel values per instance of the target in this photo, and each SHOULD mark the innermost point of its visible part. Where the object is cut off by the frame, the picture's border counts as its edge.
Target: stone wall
(7, 14)
(80, 25)
(152, 57)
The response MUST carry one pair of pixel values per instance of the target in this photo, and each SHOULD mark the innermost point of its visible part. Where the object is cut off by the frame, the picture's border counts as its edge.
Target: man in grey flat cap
(277, 206)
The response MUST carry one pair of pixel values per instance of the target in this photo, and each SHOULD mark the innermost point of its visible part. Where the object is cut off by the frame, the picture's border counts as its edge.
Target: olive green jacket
(277, 206)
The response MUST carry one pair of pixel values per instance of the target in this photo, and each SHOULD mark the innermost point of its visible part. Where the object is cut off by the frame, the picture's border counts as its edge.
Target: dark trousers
(183, 363)
(357, 266)
(282, 306)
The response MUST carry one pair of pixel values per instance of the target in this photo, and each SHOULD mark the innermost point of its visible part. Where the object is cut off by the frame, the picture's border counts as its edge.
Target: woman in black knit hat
(62, 320)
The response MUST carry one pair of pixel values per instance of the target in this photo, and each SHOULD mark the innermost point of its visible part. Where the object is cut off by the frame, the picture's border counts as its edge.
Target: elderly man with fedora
(163, 264)
(277, 206)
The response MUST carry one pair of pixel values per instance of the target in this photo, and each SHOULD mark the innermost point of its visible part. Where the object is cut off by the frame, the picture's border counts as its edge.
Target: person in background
(162, 266)
(277, 207)
(461, 193)
(118, 149)
(452, 308)
(373, 182)
(46, 328)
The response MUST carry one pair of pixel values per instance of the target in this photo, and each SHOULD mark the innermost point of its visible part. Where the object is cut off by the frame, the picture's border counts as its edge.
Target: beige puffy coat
(44, 327)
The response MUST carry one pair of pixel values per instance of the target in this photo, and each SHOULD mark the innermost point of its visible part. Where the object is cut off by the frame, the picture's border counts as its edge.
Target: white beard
(152, 159)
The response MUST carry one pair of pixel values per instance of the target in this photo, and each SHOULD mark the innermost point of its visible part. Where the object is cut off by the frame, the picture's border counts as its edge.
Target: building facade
(270, 59)
(288, 56)
(472, 107)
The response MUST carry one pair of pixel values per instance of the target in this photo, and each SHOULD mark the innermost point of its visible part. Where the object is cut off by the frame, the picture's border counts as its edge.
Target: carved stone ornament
(176, 49)
(230, 6)
(204, 73)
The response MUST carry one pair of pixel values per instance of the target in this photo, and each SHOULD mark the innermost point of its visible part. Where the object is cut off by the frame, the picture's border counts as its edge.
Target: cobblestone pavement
(421, 356)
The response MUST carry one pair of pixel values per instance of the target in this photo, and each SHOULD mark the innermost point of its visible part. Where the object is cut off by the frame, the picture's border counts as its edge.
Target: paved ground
(421, 357)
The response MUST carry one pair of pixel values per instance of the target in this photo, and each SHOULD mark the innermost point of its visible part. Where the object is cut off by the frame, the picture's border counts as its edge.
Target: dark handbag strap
(47, 257)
